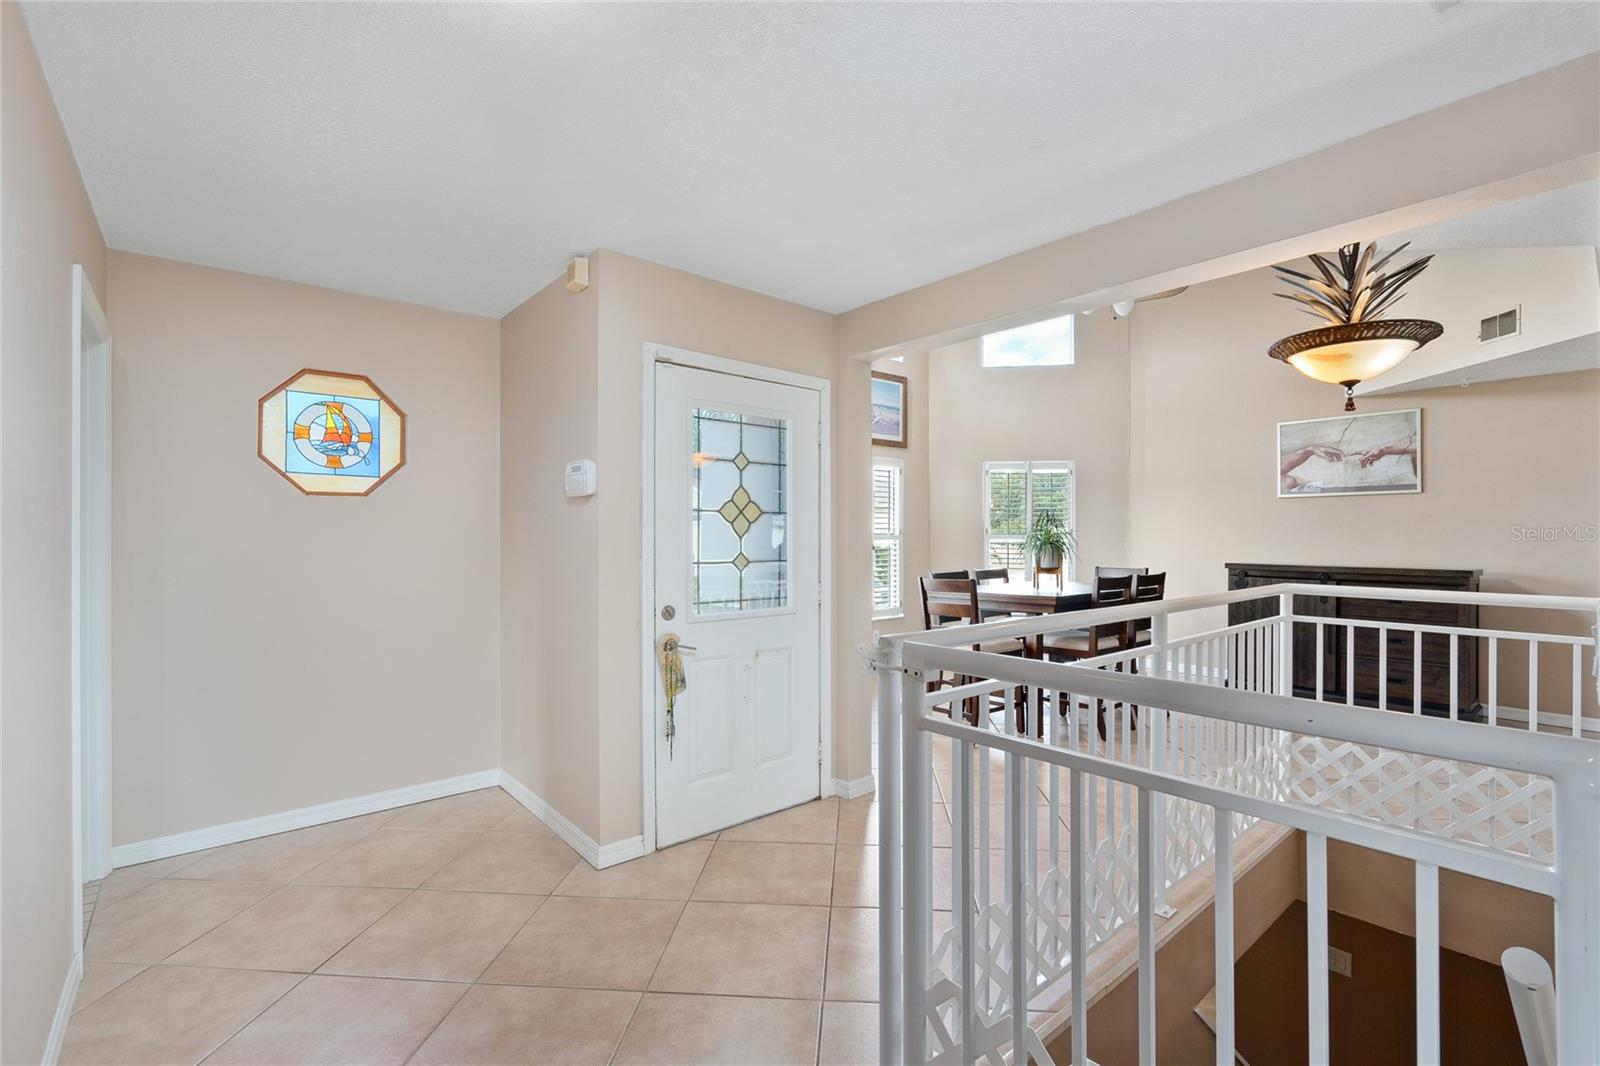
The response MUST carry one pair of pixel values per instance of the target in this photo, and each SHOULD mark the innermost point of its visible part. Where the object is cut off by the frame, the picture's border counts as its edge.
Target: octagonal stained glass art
(331, 434)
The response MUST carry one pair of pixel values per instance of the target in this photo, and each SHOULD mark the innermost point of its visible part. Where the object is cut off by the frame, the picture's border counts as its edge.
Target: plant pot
(1049, 559)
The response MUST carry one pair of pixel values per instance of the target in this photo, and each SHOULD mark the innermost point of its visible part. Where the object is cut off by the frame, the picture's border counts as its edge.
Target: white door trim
(661, 353)
(91, 524)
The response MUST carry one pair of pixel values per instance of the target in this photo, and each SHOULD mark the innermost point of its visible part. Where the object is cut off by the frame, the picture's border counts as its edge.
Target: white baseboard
(596, 854)
(851, 789)
(1548, 722)
(250, 828)
(58, 1026)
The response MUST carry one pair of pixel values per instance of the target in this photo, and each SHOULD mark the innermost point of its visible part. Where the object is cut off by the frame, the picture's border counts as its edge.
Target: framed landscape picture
(888, 409)
(1351, 455)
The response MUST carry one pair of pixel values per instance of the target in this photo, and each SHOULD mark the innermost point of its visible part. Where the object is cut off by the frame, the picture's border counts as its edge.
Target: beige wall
(550, 558)
(852, 568)
(1205, 404)
(1556, 289)
(1477, 917)
(642, 302)
(46, 225)
(915, 516)
(994, 414)
(233, 697)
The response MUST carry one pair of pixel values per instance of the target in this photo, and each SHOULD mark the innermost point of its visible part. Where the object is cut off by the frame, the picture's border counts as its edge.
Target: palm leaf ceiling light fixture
(1358, 343)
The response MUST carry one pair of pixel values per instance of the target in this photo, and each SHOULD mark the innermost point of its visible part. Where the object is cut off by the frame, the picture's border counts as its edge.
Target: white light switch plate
(1339, 961)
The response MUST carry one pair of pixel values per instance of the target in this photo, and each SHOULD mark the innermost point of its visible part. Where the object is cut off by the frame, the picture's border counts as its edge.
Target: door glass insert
(739, 552)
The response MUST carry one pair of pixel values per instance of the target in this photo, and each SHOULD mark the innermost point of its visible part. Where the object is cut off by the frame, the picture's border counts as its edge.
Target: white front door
(737, 580)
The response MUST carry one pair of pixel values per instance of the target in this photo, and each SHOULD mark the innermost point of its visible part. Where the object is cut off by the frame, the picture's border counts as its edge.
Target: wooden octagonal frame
(383, 399)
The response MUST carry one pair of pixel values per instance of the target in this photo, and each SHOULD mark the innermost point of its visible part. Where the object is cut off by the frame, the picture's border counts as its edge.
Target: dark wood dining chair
(950, 573)
(1121, 571)
(995, 574)
(1147, 588)
(960, 607)
(1101, 639)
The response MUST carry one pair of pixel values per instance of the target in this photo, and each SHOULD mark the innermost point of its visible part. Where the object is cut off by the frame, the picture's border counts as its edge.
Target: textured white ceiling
(456, 154)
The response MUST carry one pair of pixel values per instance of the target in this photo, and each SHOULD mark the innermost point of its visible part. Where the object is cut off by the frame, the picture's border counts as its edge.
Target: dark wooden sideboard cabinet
(1402, 654)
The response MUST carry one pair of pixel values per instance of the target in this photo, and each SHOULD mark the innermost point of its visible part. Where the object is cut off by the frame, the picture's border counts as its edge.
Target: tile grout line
(315, 970)
(275, 889)
(278, 888)
(827, 939)
(448, 1011)
(330, 956)
(503, 947)
(251, 1020)
(646, 989)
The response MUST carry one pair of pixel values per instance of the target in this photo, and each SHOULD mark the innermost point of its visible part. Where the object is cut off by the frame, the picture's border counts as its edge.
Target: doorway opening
(91, 573)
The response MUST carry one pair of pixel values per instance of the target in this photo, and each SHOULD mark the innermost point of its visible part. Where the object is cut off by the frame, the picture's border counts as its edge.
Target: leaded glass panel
(739, 546)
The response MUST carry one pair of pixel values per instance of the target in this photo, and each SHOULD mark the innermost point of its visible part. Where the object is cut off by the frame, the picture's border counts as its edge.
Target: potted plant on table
(1048, 541)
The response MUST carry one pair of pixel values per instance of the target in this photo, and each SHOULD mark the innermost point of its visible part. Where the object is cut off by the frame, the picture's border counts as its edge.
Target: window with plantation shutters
(1013, 493)
(887, 476)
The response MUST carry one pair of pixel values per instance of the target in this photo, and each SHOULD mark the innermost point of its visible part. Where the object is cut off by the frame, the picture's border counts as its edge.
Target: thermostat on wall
(580, 477)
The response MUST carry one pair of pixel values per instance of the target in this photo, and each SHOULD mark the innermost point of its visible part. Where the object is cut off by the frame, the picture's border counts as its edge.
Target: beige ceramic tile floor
(464, 931)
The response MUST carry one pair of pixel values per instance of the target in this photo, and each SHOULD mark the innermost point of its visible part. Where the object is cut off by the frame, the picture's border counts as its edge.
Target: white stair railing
(1223, 745)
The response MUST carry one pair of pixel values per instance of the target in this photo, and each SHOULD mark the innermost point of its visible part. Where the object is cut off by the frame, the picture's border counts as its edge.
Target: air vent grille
(1502, 325)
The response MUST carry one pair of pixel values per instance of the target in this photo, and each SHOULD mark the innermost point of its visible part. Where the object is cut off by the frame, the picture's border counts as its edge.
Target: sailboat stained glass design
(331, 434)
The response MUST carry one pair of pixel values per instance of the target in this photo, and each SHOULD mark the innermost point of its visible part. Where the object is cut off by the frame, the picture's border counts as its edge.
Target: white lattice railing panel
(1159, 791)
(1499, 809)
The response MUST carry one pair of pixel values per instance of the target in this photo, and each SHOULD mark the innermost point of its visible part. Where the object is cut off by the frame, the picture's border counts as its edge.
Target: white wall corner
(58, 1026)
(594, 853)
(319, 814)
(851, 789)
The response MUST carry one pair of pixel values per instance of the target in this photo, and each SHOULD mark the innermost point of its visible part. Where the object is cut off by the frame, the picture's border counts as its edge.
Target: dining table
(1024, 597)
(996, 599)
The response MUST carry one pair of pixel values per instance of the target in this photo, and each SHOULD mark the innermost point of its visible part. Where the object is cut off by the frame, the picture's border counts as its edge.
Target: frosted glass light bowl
(1350, 354)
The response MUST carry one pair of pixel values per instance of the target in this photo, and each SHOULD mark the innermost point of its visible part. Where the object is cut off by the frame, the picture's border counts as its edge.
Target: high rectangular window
(887, 509)
(1013, 493)
(1047, 343)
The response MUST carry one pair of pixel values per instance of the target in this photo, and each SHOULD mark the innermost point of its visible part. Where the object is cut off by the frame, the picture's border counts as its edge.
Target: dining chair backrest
(1110, 590)
(950, 573)
(1146, 588)
(1120, 571)
(999, 573)
(936, 613)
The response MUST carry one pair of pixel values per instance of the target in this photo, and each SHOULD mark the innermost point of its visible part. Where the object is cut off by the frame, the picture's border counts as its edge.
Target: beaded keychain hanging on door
(672, 680)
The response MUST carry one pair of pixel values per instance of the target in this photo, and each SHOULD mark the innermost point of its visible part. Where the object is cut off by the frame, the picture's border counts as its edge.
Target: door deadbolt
(669, 612)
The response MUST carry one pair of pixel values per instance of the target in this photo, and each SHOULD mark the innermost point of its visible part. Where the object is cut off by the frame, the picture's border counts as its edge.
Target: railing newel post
(1285, 682)
(1156, 720)
(890, 684)
(916, 761)
(1577, 913)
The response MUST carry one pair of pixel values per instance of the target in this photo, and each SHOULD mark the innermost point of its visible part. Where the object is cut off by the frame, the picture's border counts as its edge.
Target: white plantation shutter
(1013, 493)
(1050, 488)
(1005, 496)
(886, 528)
